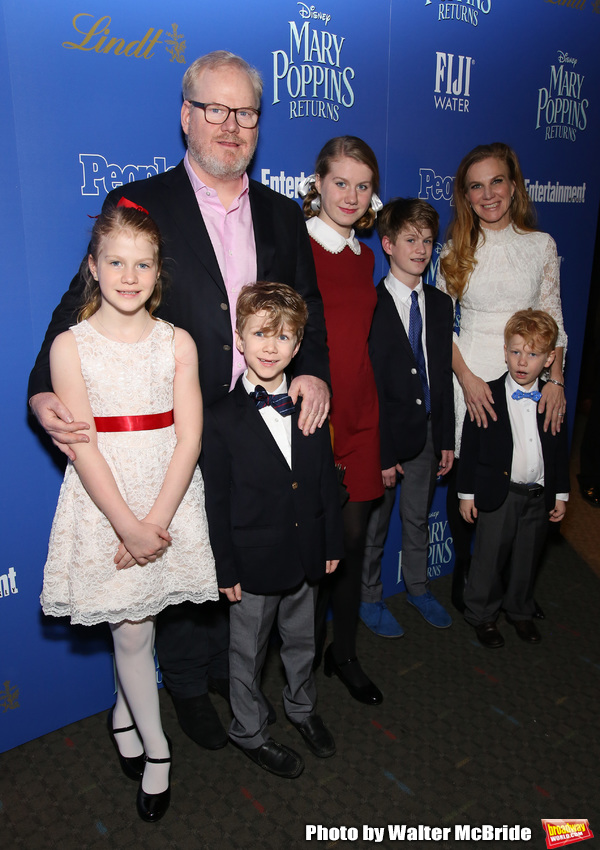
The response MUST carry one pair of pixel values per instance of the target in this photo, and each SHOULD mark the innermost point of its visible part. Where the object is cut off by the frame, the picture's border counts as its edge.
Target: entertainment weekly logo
(561, 107)
(310, 74)
(469, 12)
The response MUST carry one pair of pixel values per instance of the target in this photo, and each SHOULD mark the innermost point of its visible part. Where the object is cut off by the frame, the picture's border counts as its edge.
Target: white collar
(329, 238)
(403, 291)
(511, 385)
(250, 387)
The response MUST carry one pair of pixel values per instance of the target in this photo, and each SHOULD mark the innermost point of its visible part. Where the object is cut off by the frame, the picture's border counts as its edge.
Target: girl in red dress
(339, 197)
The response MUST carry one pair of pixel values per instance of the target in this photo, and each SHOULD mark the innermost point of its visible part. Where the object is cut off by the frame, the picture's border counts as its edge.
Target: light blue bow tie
(535, 395)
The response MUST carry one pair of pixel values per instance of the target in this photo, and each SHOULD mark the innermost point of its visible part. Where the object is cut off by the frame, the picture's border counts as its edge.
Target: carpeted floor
(465, 736)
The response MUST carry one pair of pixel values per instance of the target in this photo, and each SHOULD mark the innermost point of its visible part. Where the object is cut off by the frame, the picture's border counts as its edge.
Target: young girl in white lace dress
(129, 535)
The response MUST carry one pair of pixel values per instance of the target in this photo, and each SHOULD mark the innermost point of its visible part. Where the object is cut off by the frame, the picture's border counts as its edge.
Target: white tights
(137, 700)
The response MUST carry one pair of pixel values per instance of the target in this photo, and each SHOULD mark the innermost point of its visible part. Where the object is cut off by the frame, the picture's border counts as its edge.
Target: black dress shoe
(538, 612)
(151, 807)
(200, 722)
(489, 636)
(132, 766)
(369, 694)
(526, 630)
(317, 737)
(276, 758)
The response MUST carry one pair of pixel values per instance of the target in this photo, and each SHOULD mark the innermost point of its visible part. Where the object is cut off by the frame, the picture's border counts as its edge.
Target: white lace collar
(329, 238)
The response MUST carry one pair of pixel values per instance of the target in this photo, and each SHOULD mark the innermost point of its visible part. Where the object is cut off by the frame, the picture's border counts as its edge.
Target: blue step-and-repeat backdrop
(90, 99)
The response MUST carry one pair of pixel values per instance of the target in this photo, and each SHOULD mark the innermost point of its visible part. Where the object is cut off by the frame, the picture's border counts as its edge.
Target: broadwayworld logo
(94, 36)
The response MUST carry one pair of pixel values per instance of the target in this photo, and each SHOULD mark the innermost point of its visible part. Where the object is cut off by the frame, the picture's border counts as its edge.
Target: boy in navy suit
(513, 477)
(273, 507)
(411, 352)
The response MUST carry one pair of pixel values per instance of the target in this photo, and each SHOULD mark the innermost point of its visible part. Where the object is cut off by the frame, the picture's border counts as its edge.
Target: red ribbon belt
(150, 422)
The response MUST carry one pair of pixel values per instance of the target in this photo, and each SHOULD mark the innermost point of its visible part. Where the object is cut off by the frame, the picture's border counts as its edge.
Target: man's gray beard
(218, 169)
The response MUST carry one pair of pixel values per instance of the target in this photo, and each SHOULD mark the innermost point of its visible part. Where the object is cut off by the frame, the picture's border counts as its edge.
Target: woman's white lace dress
(80, 578)
(514, 270)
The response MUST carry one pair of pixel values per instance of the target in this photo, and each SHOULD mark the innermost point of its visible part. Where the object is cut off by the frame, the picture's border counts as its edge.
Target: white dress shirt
(279, 426)
(402, 296)
(527, 459)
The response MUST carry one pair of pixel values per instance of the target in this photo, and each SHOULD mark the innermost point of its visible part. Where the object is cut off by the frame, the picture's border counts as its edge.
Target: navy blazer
(402, 414)
(271, 526)
(196, 298)
(486, 456)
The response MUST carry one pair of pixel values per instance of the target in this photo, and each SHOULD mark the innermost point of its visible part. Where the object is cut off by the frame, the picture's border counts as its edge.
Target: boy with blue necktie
(411, 351)
(513, 477)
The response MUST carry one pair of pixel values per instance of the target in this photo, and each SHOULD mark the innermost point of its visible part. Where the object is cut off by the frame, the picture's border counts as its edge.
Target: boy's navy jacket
(271, 526)
(486, 456)
(402, 414)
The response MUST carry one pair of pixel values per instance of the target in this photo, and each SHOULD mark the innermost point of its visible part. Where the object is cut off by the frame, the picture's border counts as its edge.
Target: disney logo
(564, 58)
(311, 12)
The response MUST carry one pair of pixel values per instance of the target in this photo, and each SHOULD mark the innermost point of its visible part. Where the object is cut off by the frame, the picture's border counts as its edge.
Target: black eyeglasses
(218, 113)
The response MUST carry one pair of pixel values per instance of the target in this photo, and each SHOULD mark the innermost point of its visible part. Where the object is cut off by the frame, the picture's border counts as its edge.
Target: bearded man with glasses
(221, 230)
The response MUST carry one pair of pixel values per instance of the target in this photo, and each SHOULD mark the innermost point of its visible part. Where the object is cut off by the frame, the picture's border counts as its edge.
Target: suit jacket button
(296, 524)
(224, 306)
(505, 472)
(419, 401)
(413, 371)
(226, 348)
(294, 486)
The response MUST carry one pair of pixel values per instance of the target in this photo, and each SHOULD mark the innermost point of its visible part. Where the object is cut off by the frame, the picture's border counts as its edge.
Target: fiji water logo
(94, 34)
(101, 175)
(452, 82)
(466, 11)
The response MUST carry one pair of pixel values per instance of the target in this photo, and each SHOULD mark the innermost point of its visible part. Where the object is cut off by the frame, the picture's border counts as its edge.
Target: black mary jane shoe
(151, 807)
(132, 766)
(368, 694)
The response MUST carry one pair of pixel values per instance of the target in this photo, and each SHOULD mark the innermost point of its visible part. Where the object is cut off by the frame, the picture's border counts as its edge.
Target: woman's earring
(315, 204)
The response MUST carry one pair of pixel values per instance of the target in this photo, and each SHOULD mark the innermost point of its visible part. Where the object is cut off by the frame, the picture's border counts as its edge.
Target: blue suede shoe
(378, 617)
(430, 609)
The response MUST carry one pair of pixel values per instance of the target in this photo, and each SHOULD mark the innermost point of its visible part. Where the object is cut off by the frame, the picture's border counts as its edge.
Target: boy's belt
(531, 490)
(148, 422)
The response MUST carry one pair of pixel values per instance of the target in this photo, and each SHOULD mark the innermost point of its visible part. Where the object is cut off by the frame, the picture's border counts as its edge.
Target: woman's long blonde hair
(464, 230)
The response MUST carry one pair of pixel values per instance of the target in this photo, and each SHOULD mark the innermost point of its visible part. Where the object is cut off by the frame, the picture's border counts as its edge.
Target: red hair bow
(123, 202)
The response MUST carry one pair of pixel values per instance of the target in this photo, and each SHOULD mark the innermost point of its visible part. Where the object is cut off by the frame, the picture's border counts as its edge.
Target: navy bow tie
(534, 395)
(281, 402)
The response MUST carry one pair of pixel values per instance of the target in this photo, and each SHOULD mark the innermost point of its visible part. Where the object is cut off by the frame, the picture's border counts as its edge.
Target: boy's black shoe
(526, 630)
(317, 737)
(276, 758)
(489, 636)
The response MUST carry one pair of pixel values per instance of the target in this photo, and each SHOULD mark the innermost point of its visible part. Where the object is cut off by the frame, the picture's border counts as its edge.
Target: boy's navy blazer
(195, 298)
(486, 456)
(402, 414)
(271, 526)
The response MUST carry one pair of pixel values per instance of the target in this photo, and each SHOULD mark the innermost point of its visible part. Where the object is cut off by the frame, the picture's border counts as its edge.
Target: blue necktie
(519, 394)
(415, 331)
(281, 402)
